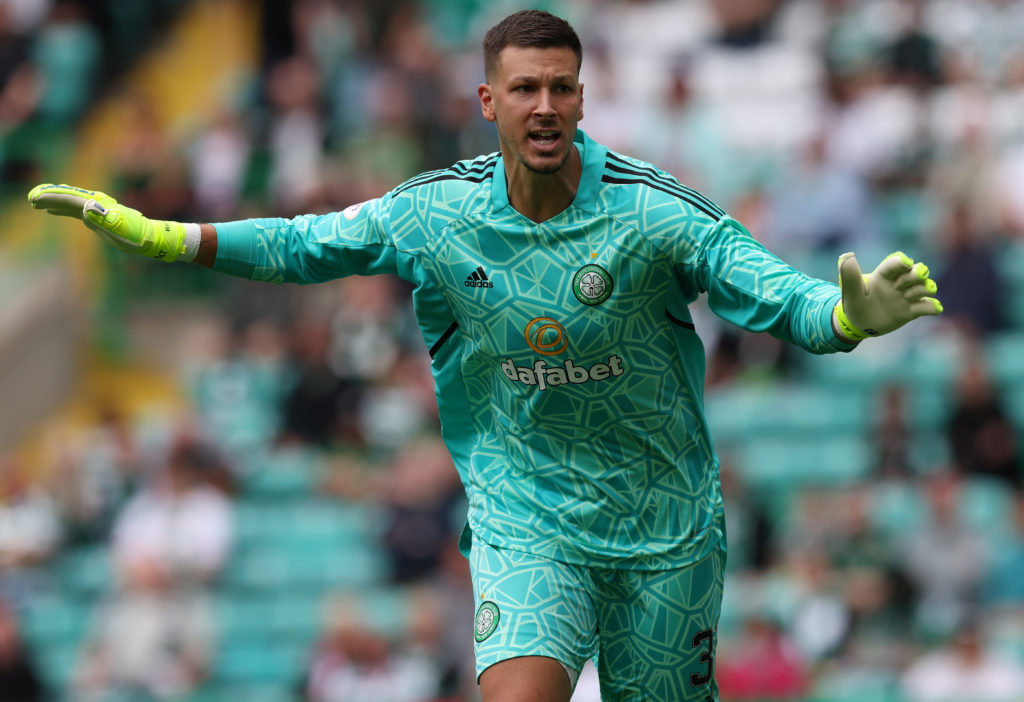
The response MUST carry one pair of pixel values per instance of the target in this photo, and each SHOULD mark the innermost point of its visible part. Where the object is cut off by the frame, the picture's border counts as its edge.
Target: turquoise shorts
(653, 633)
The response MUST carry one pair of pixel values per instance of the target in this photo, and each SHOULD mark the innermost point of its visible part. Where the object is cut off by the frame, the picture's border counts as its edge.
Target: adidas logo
(478, 279)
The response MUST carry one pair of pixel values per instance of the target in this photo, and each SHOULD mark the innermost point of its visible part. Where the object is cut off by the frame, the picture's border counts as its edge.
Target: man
(551, 286)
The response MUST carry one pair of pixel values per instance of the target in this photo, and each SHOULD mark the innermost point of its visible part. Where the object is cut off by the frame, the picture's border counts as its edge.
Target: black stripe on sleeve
(679, 322)
(443, 338)
(638, 180)
(459, 169)
(627, 168)
(436, 176)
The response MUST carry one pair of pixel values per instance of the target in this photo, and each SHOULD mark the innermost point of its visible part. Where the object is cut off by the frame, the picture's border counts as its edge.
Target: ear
(486, 101)
(580, 116)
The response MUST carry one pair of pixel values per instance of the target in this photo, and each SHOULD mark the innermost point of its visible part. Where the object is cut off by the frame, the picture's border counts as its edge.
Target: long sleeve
(752, 288)
(309, 248)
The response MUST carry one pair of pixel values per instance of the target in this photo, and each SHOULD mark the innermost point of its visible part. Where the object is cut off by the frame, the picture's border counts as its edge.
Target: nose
(544, 106)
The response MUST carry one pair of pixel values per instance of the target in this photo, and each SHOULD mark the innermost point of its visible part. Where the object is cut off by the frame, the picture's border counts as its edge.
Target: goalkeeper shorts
(653, 633)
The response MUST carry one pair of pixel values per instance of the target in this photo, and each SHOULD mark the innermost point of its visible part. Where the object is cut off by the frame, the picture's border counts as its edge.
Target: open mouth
(545, 139)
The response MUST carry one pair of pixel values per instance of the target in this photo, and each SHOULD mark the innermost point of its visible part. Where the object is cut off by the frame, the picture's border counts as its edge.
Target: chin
(546, 166)
(544, 169)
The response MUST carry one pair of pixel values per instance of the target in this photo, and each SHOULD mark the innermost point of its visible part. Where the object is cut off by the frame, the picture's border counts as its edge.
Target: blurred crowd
(823, 125)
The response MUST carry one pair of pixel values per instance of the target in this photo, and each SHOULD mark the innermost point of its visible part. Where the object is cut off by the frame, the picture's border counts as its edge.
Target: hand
(125, 228)
(896, 292)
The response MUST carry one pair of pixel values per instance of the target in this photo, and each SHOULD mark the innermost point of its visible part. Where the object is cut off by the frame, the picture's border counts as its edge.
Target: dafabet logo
(548, 337)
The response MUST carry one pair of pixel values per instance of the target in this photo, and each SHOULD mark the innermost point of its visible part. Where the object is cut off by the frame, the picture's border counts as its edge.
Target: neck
(541, 196)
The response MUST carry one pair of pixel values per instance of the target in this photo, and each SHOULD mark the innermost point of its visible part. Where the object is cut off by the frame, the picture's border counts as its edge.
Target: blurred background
(213, 489)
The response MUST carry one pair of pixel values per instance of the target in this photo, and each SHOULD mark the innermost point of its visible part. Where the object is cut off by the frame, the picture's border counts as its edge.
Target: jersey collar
(592, 155)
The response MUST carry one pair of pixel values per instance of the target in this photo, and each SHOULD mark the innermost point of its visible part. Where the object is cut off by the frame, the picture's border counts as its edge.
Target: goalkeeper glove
(896, 292)
(125, 228)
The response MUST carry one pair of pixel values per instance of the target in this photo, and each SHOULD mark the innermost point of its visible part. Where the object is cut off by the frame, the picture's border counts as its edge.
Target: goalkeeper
(552, 284)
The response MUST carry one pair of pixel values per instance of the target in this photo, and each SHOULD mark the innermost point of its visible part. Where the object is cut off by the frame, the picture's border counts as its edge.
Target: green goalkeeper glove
(125, 228)
(896, 292)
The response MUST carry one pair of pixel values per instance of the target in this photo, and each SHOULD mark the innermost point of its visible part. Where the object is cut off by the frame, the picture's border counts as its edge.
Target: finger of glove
(65, 200)
(62, 204)
(918, 289)
(851, 279)
(916, 278)
(894, 266)
(918, 292)
(926, 307)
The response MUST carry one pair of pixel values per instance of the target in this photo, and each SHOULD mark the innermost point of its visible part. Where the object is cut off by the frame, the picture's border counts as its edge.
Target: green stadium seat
(928, 407)
(290, 618)
(218, 692)
(55, 621)
(284, 473)
(86, 572)
(1004, 354)
(309, 569)
(897, 509)
(317, 524)
(988, 506)
(260, 662)
(57, 665)
(782, 464)
(741, 413)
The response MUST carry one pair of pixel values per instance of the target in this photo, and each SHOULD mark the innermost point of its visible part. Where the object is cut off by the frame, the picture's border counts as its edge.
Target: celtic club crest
(486, 620)
(592, 285)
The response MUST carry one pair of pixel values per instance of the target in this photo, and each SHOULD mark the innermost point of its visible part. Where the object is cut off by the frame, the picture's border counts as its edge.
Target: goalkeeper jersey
(569, 376)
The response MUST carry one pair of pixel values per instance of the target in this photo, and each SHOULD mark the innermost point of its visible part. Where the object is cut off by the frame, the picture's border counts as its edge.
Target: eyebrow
(560, 77)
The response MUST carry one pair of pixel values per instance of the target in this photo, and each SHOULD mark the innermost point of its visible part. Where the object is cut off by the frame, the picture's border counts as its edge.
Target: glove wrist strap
(168, 240)
(845, 327)
(190, 247)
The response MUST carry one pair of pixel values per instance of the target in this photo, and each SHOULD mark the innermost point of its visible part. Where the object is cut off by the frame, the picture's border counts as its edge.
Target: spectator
(147, 166)
(821, 624)
(236, 381)
(973, 294)
(964, 668)
(96, 471)
(982, 437)
(401, 406)
(150, 641)
(68, 52)
(944, 561)
(893, 435)
(322, 407)
(748, 522)
(818, 205)
(179, 525)
(763, 664)
(354, 663)
(916, 58)
(453, 591)
(296, 134)
(219, 158)
(30, 533)
(19, 677)
(1004, 586)
(421, 494)
(20, 89)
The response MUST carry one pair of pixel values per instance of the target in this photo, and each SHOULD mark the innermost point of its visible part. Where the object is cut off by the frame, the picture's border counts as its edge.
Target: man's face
(535, 99)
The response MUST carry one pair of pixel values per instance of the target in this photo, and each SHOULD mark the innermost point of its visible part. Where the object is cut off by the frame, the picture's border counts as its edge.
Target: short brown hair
(530, 29)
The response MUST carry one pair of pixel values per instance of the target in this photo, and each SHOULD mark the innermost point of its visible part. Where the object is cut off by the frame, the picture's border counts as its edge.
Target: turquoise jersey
(569, 375)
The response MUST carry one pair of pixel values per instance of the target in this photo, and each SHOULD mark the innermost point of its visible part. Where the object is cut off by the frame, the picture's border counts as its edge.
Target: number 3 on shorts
(708, 657)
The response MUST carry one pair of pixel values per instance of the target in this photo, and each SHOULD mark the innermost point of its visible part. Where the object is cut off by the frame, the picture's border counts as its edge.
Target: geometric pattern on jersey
(578, 430)
(652, 632)
(543, 608)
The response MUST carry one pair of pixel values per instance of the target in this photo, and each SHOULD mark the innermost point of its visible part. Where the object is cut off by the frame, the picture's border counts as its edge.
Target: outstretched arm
(303, 249)
(128, 229)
